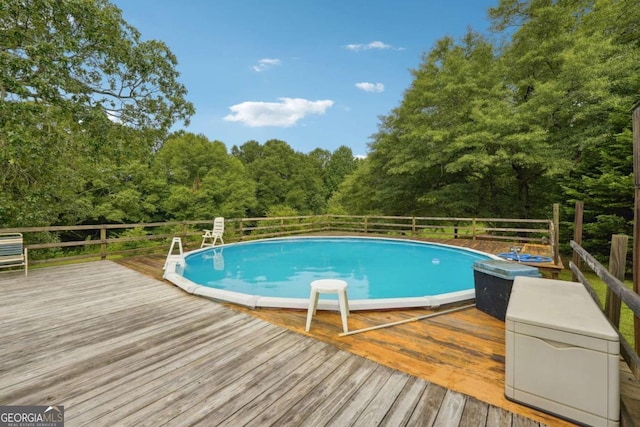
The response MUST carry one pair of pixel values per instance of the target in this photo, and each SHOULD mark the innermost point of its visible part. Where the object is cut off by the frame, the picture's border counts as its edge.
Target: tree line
(85, 112)
(538, 111)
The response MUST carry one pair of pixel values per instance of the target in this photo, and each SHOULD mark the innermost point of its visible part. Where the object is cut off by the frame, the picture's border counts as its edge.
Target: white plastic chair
(210, 237)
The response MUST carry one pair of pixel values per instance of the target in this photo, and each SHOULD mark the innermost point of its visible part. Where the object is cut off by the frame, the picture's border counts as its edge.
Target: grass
(626, 314)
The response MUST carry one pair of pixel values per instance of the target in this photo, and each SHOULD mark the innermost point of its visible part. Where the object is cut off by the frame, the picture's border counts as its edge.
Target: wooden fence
(616, 294)
(613, 277)
(101, 241)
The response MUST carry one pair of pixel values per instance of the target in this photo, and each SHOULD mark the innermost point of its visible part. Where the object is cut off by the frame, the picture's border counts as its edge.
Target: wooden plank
(385, 397)
(402, 408)
(276, 408)
(451, 410)
(362, 400)
(629, 397)
(149, 363)
(212, 405)
(168, 395)
(46, 370)
(333, 387)
(497, 417)
(629, 297)
(428, 406)
(636, 224)
(474, 413)
(520, 421)
(293, 383)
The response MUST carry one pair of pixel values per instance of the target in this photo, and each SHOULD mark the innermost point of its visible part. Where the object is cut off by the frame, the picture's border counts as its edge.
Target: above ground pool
(380, 273)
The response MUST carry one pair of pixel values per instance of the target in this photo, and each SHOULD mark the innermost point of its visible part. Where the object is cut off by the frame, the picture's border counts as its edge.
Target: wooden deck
(462, 351)
(116, 347)
(496, 247)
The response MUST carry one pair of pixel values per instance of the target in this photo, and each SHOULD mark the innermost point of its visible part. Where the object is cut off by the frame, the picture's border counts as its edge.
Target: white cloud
(265, 63)
(114, 117)
(368, 46)
(285, 113)
(370, 87)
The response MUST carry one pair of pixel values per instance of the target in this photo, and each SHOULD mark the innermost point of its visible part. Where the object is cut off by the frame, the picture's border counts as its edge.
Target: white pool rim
(255, 301)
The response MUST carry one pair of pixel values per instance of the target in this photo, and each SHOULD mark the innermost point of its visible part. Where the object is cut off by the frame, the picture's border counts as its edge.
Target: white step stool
(328, 286)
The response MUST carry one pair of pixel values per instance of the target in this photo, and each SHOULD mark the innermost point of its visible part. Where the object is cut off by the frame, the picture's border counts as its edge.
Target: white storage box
(562, 354)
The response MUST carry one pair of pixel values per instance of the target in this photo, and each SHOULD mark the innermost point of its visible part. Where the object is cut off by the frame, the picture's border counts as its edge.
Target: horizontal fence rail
(621, 292)
(101, 241)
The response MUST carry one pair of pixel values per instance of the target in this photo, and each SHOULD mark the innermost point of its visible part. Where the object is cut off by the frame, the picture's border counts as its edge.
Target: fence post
(366, 224)
(103, 242)
(473, 229)
(184, 234)
(556, 233)
(617, 263)
(577, 235)
(413, 226)
(636, 217)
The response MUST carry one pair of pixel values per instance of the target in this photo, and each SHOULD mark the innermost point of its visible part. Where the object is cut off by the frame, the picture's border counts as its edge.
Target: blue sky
(313, 73)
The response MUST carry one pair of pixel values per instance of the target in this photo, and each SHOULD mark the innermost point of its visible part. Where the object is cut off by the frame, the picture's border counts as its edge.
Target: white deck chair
(210, 237)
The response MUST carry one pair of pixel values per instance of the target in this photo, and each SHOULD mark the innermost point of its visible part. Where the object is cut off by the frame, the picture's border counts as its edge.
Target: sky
(312, 73)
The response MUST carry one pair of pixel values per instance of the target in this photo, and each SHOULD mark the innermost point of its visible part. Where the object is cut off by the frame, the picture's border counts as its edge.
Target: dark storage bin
(493, 280)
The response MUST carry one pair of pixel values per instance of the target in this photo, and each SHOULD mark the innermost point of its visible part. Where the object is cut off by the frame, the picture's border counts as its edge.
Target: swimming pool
(380, 272)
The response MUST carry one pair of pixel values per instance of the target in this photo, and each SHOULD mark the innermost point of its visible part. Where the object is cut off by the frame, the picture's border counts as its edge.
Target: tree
(83, 57)
(340, 165)
(284, 178)
(421, 161)
(248, 152)
(359, 193)
(508, 130)
(576, 66)
(80, 97)
(333, 167)
(202, 180)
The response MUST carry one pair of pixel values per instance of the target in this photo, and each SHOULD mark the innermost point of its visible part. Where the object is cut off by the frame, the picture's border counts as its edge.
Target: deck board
(462, 351)
(117, 347)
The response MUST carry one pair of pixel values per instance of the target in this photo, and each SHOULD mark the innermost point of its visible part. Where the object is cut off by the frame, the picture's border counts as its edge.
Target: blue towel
(524, 257)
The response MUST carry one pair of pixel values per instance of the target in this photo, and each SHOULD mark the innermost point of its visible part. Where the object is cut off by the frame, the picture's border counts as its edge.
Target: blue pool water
(373, 268)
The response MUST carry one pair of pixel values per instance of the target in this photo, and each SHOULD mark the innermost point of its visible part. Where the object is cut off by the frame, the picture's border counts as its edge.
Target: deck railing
(617, 293)
(101, 241)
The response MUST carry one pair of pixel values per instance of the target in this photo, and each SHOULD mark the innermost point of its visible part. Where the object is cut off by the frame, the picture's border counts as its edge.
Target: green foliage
(200, 180)
(281, 211)
(283, 177)
(81, 97)
(507, 129)
(42, 238)
(84, 58)
(489, 127)
(133, 244)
